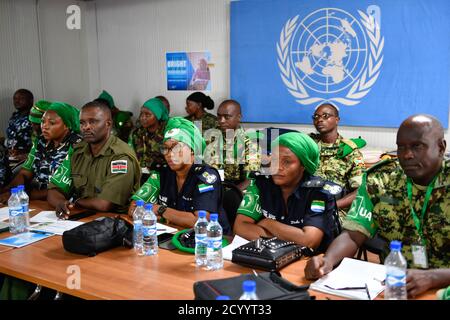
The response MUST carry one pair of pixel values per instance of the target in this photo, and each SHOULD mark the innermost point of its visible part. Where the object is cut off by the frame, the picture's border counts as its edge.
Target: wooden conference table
(120, 274)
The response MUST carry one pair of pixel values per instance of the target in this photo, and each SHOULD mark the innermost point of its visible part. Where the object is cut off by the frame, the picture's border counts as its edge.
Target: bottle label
(149, 231)
(200, 239)
(215, 243)
(14, 212)
(396, 280)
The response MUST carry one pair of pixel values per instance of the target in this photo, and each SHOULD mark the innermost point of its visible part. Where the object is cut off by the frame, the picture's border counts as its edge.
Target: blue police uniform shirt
(302, 209)
(202, 190)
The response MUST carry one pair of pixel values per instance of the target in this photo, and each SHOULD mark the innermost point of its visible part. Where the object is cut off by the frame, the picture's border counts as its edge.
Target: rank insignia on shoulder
(334, 189)
(119, 166)
(318, 206)
(205, 188)
(210, 177)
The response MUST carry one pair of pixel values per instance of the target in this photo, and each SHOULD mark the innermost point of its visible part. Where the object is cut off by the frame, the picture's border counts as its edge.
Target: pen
(347, 288)
(367, 291)
(161, 229)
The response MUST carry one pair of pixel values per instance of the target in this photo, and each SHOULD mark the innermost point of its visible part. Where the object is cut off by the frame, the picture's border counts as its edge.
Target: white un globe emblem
(327, 57)
(328, 50)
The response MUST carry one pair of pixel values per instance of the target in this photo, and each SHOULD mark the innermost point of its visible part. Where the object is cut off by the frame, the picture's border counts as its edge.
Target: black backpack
(269, 286)
(98, 235)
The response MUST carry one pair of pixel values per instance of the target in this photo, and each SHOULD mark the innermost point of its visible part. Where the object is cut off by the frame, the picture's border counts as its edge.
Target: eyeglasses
(175, 148)
(324, 116)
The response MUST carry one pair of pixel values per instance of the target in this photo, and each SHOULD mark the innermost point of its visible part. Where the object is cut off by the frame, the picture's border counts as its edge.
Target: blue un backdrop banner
(379, 61)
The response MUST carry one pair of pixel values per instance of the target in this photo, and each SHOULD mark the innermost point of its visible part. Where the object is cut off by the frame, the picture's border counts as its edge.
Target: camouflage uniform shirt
(5, 170)
(147, 146)
(44, 158)
(18, 133)
(209, 121)
(239, 157)
(347, 172)
(382, 206)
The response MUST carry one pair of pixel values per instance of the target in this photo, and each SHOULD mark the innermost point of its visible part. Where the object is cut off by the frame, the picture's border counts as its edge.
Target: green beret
(348, 145)
(106, 96)
(184, 240)
(69, 114)
(185, 131)
(303, 147)
(157, 108)
(38, 110)
(121, 118)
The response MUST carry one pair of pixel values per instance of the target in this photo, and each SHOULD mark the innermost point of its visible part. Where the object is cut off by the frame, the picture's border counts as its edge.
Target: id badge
(419, 254)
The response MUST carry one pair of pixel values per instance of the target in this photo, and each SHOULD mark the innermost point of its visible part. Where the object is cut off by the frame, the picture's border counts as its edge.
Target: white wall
(121, 48)
(134, 37)
(20, 65)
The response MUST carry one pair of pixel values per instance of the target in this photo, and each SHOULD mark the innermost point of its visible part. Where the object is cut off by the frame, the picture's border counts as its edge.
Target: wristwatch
(162, 208)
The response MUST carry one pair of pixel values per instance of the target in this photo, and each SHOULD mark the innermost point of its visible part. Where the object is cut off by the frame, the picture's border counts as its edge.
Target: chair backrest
(231, 199)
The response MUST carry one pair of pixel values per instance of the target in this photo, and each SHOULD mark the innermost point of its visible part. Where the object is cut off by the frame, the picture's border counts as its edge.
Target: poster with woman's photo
(188, 71)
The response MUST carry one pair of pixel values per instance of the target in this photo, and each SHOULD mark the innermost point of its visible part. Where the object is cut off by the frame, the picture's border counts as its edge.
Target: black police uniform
(299, 211)
(191, 198)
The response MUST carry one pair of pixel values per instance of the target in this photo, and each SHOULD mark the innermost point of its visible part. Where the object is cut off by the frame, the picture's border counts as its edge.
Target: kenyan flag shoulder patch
(318, 206)
(119, 166)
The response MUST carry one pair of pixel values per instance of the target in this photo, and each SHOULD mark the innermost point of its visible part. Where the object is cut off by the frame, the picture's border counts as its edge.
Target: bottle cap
(213, 217)
(140, 203)
(249, 286)
(148, 206)
(201, 214)
(396, 245)
(20, 187)
(222, 298)
(14, 190)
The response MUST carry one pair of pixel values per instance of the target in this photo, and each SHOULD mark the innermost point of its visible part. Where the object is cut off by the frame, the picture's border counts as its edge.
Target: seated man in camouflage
(407, 200)
(340, 159)
(18, 134)
(235, 155)
(103, 171)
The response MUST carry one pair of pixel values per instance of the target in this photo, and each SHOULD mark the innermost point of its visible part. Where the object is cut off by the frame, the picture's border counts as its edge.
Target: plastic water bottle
(17, 221)
(395, 273)
(249, 288)
(214, 236)
(149, 232)
(201, 244)
(138, 239)
(25, 202)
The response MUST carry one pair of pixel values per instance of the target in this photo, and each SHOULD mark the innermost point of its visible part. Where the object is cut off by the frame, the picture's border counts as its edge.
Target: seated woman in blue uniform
(181, 188)
(291, 204)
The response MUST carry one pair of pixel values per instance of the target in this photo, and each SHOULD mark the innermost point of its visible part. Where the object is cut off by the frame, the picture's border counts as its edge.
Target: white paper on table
(353, 273)
(237, 242)
(55, 227)
(161, 228)
(4, 213)
(45, 216)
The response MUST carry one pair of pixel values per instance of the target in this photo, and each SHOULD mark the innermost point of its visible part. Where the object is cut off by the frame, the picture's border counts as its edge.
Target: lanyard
(417, 222)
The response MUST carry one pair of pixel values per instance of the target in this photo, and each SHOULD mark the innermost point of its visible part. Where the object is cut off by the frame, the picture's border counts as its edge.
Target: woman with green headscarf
(147, 139)
(183, 187)
(290, 203)
(60, 126)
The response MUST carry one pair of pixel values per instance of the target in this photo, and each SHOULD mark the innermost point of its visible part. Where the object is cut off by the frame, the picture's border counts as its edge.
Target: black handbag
(269, 286)
(98, 235)
(269, 254)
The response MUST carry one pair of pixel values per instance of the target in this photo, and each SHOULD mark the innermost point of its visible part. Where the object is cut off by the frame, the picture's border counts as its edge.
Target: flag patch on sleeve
(119, 166)
(318, 206)
(205, 187)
